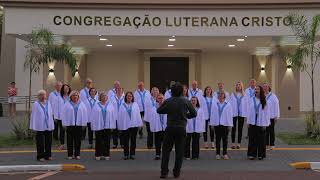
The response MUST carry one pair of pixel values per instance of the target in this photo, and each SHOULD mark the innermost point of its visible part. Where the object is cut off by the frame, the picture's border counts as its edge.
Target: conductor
(178, 110)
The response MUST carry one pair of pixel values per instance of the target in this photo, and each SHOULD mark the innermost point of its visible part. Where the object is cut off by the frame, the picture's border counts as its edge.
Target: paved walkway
(275, 166)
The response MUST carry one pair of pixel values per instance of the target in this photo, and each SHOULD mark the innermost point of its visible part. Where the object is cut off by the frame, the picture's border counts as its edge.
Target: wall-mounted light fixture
(289, 66)
(51, 72)
(262, 68)
(77, 70)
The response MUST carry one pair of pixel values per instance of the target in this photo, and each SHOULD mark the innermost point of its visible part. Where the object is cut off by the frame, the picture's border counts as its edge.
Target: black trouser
(61, 132)
(270, 136)
(90, 133)
(257, 145)
(158, 141)
(141, 128)
(44, 143)
(221, 134)
(116, 134)
(237, 121)
(205, 134)
(192, 138)
(56, 129)
(173, 136)
(129, 136)
(103, 142)
(74, 134)
(149, 136)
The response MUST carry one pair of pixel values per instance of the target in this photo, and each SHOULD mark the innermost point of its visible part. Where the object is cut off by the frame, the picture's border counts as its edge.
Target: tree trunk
(312, 99)
(29, 98)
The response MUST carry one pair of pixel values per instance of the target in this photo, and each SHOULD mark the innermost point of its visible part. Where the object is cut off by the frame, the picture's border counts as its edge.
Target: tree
(41, 49)
(306, 55)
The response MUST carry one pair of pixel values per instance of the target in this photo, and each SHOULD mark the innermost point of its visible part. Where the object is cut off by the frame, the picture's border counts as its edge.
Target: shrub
(312, 127)
(20, 128)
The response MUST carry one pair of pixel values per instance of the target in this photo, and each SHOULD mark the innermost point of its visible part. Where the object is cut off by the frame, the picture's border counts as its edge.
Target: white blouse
(239, 104)
(140, 98)
(195, 93)
(74, 114)
(197, 124)
(84, 94)
(129, 116)
(221, 114)
(167, 94)
(151, 104)
(116, 102)
(62, 101)
(273, 103)
(53, 99)
(103, 117)
(158, 122)
(206, 106)
(90, 103)
(41, 117)
(258, 116)
(250, 92)
(215, 94)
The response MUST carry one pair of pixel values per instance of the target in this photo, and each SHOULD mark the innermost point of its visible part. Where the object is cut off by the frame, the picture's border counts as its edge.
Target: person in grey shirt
(178, 110)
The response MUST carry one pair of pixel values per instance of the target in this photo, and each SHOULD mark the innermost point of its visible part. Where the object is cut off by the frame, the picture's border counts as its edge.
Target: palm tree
(41, 49)
(306, 55)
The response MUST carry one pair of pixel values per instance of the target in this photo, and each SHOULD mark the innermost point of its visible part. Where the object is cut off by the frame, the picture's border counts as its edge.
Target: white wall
(228, 67)
(106, 67)
(22, 76)
(305, 89)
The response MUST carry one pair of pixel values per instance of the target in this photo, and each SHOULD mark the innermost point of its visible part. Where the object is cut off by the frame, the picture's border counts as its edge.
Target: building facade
(209, 41)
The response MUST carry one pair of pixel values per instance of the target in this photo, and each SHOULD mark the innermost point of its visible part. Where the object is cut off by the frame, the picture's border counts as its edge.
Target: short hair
(58, 83)
(177, 90)
(222, 92)
(103, 93)
(13, 83)
(74, 92)
(88, 79)
(42, 91)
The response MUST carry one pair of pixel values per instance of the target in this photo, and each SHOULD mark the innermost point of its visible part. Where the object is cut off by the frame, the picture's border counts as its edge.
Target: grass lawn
(297, 139)
(9, 141)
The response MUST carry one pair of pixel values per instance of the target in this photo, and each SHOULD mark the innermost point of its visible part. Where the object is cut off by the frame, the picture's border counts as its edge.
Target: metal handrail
(19, 99)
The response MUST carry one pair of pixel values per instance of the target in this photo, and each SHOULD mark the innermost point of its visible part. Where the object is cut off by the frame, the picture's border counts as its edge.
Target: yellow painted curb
(73, 167)
(301, 165)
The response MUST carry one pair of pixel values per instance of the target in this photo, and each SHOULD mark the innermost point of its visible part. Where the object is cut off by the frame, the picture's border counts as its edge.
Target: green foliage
(42, 50)
(306, 32)
(297, 139)
(305, 57)
(8, 141)
(312, 128)
(20, 129)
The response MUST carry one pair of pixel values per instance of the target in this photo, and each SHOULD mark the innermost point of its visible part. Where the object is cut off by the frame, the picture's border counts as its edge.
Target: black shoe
(195, 158)
(251, 158)
(164, 176)
(176, 174)
(125, 158)
(157, 158)
(132, 158)
(260, 158)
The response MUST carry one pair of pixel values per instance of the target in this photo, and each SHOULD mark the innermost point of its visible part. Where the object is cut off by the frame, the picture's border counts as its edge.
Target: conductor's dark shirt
(178, 110)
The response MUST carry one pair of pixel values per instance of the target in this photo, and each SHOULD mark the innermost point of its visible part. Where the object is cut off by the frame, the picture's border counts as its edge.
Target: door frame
(194, 63)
